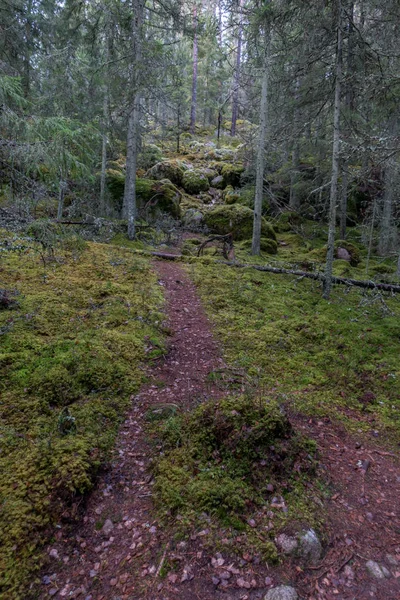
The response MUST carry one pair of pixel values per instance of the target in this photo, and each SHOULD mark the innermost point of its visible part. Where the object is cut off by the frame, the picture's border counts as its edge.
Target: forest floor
(121, 551)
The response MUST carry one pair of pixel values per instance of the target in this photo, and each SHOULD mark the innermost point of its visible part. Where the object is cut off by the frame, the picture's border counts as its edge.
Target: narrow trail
(118, 549)
(119, 546)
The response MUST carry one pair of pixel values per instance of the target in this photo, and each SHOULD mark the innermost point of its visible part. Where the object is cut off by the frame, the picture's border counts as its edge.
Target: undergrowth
(336, 358)
(225, 461)
(85, 317)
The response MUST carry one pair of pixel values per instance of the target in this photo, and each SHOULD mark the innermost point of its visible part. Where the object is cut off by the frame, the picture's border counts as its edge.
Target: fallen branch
(371, 285)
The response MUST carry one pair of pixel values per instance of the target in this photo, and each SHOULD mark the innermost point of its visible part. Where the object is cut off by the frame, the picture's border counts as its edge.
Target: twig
(162, 561)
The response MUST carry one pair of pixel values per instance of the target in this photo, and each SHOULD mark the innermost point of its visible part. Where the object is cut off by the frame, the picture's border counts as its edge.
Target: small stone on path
(108, 527)
(282, 592)
(376, 570)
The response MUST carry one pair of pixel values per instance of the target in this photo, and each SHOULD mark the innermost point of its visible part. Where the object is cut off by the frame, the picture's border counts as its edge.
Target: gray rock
(343, 254)
(392, 560)
(376, 570)
(286, 543)
(282, 592)
(310, 547)
(193, 218)
(218, 182)
(107, 527)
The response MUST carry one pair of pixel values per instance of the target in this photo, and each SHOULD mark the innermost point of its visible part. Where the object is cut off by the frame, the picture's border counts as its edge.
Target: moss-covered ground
(79, 324)
(336, 358)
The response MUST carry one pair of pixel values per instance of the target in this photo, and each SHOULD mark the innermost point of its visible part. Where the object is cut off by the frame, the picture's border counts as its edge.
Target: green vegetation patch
(226, 457)
(71, 348)
(336, 358)
(236, 219)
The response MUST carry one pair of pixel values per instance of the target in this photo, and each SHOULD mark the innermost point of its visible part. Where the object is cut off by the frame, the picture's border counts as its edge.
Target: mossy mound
(287, 221)
(231, 174)
(230, 195)
(195, 181)
(354, 252)
(267, 245)
(220, 154)
(149, 156)
(167, 169)
(238, 220)
(155, 196)
(220, 457)
(190, 246)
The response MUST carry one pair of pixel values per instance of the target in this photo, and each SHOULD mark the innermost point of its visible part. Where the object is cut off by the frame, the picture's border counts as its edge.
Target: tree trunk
(134, 119)
(105, 125)
(349, 107)
(61, 194)
(255, 246)
(294, 175)
(194, 78)
(385, 227)
(335, 158)
(236, 76)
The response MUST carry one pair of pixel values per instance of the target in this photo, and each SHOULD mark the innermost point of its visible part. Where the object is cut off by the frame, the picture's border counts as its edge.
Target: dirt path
(117, 552)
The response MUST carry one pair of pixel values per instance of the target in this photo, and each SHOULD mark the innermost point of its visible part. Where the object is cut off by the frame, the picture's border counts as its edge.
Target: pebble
(108, 527)
(376, 570)
(282, 592)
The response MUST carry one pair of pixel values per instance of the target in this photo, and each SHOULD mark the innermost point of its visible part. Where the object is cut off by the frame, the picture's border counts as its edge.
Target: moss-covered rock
(231, 174)
(354, 252)
(195, 181)
(230, 195)
(238, 220)
(287, 220)
(149, 156)
(267, 245)
(167, 169)
(152, 196)
(217, 154)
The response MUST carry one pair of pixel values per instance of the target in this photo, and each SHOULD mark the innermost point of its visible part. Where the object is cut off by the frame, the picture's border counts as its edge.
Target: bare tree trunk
(61, 194)
(194, 79)
(335, 158)
(106, 125)
(294, 175)
(385, 227)
(349, 107)
(236, 76)
(255, 246)
(134, 120)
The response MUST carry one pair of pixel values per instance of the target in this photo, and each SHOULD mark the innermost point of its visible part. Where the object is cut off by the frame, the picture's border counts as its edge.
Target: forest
(199, 299)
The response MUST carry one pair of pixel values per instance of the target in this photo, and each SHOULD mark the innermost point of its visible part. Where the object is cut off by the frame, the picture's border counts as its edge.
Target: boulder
(195, 181)
(282, 592)
(343, 254)
(218, 182)
(167, 169)
(230, 196)
(286, 543)
(231, 174)
(310, 548)
(238, 220)
(193, 219)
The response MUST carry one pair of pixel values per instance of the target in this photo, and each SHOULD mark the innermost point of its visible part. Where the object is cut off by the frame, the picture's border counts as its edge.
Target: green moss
(320, 357)
(195, 181)
(167, 169)
(220, 457)
(238, 220)
(352, 249)
(231, 174)
(230, 196)
(287, 221)
(149, 156)
(267, 245)
(79, 333)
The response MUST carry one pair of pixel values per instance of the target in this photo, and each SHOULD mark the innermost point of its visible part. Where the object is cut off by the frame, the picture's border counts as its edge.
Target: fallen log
(371, 285)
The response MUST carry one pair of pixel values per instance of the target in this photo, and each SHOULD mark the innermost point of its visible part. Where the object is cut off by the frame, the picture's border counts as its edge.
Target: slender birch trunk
(255, 246)
(335, 158)
(236, 76)
(134, 120)
(385, 229)
(194, 78)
